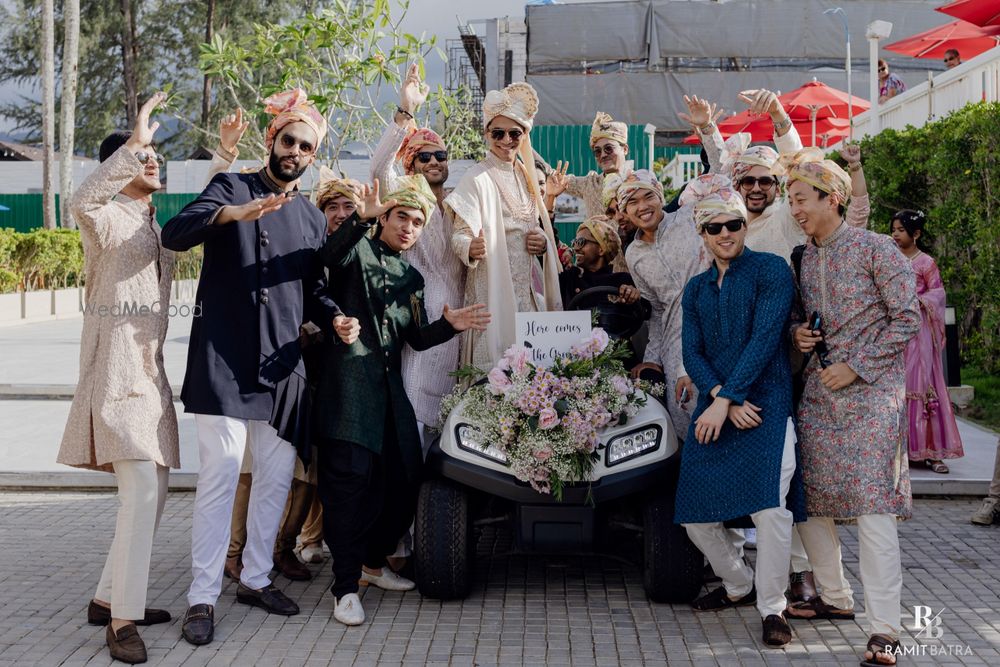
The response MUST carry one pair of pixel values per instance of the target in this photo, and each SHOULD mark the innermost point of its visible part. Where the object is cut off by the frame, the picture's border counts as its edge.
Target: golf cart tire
(443, 542)
(673, 567)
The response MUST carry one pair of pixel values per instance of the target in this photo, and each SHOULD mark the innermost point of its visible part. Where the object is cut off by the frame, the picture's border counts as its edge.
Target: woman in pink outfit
(933, 431)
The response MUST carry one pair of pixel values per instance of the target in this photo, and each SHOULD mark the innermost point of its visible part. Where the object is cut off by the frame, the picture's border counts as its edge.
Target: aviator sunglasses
(498, 134)
(765, 182)
(715, 228)
(289, 141)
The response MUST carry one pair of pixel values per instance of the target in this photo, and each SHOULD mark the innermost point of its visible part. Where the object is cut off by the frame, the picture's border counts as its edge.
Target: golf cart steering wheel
(618, 319)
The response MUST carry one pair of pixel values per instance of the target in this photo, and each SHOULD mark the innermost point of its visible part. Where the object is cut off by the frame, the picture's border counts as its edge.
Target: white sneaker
(388, 580)
(311, 554)
(349, 610)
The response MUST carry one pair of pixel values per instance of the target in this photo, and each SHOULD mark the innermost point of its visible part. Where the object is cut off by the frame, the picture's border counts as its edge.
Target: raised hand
(413, 92)
(851, 153)
(347, 328)
(762, 102)
(700, 112)
(471, 317)
(477, 249)
(371, 206)
(557, 180)
(252, 210)
(142, 133)
(231, 129)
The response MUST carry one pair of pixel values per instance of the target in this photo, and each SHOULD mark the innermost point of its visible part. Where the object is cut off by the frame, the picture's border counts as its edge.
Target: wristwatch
(854, 166)
(782, 125)
(707, 129)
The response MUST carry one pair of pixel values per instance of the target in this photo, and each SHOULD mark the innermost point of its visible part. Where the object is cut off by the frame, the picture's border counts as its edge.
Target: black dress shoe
(126, 644)
(776, 631)
(719, 599)
(199, 624)
(100, 615)
(268, 598)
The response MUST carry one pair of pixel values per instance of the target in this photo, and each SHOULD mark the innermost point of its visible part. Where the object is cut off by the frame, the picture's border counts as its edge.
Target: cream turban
(609, 193)
(606, 128)
(712, 195)
(641, 179)
(330, 186)
(605, 233)
(518, 101)
(414, 192)
(809, 165)
(755, 156)
(293, 106)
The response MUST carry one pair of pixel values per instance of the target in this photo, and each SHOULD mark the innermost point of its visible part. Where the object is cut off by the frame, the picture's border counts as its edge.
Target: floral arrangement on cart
(546, 421)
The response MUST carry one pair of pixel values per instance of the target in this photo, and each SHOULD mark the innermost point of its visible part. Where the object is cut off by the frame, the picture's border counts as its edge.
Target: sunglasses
(579, 242)
(145, 156)
(765, 182)
(715, 228)
(289, 141)
(607, 149)
(514, 134)
(425, 156)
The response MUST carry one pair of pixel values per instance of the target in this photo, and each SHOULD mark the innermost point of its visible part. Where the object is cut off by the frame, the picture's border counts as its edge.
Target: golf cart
(469, 485)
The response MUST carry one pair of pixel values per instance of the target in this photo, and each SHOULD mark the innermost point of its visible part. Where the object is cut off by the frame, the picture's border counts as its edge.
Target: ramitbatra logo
(928, 625)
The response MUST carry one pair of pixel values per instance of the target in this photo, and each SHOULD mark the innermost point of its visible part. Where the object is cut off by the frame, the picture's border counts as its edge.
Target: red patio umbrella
(979, 12)
(968, 39)
(823, 100)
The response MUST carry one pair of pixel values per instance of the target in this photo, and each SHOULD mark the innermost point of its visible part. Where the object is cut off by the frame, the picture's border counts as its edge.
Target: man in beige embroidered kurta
(609, 143)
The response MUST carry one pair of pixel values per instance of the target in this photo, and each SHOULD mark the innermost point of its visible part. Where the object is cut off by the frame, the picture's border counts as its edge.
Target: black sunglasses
(579, 242)
(607, 149)
(765, 182)
(289, 141)
(425, 156)
(498, 134)
(715, 228)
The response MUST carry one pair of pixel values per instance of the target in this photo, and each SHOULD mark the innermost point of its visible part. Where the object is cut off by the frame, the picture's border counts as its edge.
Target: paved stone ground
(567, 610)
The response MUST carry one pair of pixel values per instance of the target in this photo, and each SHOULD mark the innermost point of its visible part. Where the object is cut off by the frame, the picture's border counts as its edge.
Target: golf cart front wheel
(443, 542)
(672, 565)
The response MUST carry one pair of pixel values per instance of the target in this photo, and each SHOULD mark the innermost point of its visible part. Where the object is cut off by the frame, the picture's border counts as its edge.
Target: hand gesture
(413, 92)
(142, 133)
(762, 102)
(628, 294)
(231, 129)
(535, 242)
(683, 390)
(700, 112)
(745, 416)
(471, 317)
(709, 425)
(371, 206)
(837, 376)
(851, 153)
(805, 339)
(252, 210)
(557, 180)
(477, 249)
(347, 328)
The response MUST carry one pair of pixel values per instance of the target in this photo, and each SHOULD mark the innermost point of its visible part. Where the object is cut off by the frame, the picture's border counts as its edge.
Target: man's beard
(286, 175)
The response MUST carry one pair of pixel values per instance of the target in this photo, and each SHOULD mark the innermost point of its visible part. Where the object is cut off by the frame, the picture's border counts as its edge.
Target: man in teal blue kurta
(369, 449)
(739, 455)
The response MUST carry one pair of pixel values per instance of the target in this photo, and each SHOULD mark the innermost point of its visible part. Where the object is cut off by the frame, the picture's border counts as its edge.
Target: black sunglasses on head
(425, 156)
(765, 182)
(498, 134)
(715, 228)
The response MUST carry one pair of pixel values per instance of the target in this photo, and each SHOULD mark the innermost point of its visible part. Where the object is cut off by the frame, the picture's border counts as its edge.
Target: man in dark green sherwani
(369, 449)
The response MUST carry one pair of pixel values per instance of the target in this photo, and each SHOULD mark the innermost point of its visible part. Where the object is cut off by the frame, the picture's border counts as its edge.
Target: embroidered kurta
(361, 384)
(734, 336)
(661, 270)
(509, 280)
(933, 433)
(853, 440)
(426, 375)
(122, 407)
(775, 230)
(589, 189)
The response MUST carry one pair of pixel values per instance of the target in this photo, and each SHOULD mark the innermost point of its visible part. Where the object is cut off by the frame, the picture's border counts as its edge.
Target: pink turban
(293, 106)
(416, 142)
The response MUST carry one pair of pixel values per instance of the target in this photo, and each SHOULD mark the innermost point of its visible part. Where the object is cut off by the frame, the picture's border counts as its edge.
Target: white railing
(976, 80)
(681, 169)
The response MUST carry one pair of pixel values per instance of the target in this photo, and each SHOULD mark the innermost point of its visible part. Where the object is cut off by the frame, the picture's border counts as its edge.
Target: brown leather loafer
(801, 587)
(287, 564)
(100, 615)
(126, 645)
(776, 631)
(234, 567)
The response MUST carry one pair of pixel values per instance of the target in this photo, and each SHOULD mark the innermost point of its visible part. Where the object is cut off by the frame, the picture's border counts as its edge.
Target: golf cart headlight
(471, 440)
(630, 445)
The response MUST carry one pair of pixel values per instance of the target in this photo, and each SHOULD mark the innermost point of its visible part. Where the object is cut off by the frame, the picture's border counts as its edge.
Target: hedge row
(53, 259)
(950, 169)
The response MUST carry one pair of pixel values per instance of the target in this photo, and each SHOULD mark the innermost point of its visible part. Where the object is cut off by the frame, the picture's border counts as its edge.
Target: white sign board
(549, 336)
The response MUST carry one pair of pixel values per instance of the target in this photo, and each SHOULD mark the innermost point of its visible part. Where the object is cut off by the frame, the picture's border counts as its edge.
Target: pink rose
(547, 418)
(516, 357)
(543, 455)
(499, 382)
(622, 385)
(599, 338)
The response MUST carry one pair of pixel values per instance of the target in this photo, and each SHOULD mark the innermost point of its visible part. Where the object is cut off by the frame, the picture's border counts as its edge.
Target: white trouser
(221, 443)
(142, 490)
(878, 562)
(774, 543)
(800, 561)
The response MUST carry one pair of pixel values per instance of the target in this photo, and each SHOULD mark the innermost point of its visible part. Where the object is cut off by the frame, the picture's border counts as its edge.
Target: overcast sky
(432, 17)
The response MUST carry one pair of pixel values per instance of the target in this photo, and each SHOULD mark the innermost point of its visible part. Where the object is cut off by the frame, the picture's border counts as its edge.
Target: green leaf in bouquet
(561, 407)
